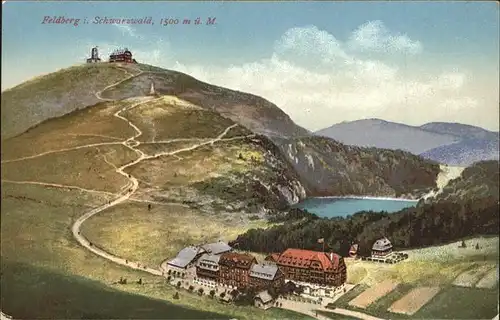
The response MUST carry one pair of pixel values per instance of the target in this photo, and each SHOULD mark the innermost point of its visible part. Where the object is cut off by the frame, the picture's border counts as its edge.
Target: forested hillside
(468, 206)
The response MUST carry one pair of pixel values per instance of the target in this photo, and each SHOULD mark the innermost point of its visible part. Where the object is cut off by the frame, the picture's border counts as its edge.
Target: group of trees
(176, 273)
(427, 224)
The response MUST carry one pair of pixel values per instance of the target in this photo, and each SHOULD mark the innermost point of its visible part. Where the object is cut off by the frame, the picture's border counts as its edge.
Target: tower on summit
(94, 56)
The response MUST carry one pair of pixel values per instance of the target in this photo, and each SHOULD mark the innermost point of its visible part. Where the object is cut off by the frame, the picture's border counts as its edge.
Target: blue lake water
(341, 207)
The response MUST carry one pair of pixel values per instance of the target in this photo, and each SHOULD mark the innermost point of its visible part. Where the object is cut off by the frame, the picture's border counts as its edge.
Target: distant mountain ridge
(467, 151)
(465, 131)
(449, 143)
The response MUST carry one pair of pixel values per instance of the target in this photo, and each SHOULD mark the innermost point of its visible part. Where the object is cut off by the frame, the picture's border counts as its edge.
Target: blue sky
(440, 58)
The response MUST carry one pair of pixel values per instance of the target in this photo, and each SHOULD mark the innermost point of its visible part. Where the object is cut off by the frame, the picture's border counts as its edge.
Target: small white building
(381, 248)
(263, 300)
(316, 290)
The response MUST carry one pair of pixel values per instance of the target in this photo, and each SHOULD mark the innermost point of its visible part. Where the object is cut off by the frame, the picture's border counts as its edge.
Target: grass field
(47, 96)
(470, 277)
(131, 231)
(414, 300)
(84, 168)
(197, 165)
(372, 294)
(46, 274)
(438, 265)
(461, 303)
(155, 148)
(450, 303)
(490, 280)
(433, 266)
(171, 118)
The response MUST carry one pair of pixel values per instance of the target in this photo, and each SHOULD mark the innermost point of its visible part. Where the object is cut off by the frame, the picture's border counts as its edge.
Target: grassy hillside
(239, 162)
(55, 94)
(69, 89)
(479, 181)
(45, 273)
(251, 111)
(50, 181)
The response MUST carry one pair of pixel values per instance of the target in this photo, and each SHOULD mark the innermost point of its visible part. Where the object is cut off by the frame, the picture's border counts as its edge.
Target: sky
(320, 62)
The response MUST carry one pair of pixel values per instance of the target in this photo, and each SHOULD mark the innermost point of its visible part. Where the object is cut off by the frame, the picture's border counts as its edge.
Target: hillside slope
(253, 112)
(460, 130)
(55, 94)
(237, 173)
(479, 181)
(388, 135)
(69, 89)
(330, 168)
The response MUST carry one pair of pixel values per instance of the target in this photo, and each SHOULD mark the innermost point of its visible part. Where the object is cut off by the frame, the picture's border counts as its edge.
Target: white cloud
(128, 30)
(453, 104)
(451, 80)
(310, 42)
(374, 36)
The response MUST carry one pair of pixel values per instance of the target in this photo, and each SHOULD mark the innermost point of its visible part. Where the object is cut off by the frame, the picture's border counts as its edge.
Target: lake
(340, 207)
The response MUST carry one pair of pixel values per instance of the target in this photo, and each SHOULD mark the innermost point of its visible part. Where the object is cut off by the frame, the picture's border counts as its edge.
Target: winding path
(130, 188)
(133, 185)
(127, 190)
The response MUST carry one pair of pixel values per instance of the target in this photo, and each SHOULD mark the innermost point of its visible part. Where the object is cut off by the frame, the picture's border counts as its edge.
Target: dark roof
(120, 52)
(217, 247)
(264, 271)
(185, 256)
(210, 259)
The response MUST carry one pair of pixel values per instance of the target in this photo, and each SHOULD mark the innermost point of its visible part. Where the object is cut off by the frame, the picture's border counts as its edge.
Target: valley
(112, 190)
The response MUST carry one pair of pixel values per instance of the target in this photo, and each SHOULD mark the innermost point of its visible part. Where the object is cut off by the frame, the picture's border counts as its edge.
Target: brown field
(489, 280)
(196, 165)
(85, 168)
(470, 277)
(87, 126)
(372, 294)
(163, 120)
(414, 300)
(130, 231)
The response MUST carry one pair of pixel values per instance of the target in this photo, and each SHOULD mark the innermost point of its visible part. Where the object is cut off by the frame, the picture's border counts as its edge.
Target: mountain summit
(66, 90)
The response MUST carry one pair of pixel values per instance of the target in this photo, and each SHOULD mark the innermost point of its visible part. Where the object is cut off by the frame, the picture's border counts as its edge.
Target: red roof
(273, 257)
(300, 258)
